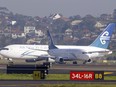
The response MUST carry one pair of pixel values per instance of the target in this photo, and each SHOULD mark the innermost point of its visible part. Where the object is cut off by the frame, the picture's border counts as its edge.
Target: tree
(88, 22)
(77, 17)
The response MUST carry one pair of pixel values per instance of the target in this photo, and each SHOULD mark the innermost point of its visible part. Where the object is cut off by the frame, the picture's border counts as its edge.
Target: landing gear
(74, 62)
(48, 64)
(10, 61)
(85, 62)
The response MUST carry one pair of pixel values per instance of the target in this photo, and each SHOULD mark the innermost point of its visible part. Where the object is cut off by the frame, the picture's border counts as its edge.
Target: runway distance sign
(86, 75)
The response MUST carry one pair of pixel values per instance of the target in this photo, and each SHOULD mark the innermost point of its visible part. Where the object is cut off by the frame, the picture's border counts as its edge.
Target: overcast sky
(65, 7)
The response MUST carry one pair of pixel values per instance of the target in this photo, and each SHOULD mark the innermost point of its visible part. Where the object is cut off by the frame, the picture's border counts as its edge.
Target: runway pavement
(66, 68)
(31, 83)
(62, 69)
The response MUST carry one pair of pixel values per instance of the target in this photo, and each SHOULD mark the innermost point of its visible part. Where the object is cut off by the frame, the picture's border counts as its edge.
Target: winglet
(50, 41)
(104, 38)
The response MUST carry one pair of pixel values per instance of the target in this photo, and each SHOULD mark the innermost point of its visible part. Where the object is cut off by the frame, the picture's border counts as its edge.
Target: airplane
(60, 53)
(25, 52)
(85, 53)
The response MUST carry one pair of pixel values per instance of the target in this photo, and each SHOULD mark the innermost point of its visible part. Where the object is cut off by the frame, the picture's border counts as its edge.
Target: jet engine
(30, 60)
(59, 60)
(50, 60)
(87, 61)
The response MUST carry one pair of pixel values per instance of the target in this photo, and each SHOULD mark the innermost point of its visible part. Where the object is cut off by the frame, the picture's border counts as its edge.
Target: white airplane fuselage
(24, 51)
(79, 52)
(67, 52)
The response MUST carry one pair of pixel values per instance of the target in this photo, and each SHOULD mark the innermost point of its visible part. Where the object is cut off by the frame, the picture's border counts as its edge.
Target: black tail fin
(50, 41)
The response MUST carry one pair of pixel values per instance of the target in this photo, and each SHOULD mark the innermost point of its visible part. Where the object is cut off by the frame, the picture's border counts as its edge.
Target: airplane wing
(39, 58)
(38, 49)
(44, 56)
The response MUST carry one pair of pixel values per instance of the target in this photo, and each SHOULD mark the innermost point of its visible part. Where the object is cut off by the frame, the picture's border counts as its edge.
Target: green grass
(52, 77)
(30, 77)
(16, 77)
(110, 78)
(77, 85)
(48, 77)
(58, 77)
(64, 85)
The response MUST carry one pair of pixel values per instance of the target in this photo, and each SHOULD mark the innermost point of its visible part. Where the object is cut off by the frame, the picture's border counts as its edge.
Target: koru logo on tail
(104, 37)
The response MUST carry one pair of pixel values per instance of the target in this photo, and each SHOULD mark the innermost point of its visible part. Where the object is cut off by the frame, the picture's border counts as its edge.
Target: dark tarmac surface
(60, 69)
(66, 68)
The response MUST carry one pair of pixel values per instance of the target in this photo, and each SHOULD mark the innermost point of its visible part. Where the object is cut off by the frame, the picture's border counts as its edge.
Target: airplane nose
(3, 51)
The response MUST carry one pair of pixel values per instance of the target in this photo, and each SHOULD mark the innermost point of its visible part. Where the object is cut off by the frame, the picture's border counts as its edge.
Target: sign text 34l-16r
(86, 75)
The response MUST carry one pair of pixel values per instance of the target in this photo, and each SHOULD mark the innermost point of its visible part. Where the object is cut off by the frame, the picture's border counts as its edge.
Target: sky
(65, 7)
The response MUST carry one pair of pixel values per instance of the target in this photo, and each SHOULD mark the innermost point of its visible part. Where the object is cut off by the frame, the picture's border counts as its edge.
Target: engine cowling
(50, 60)
(30, 60)
(87, 61)
(59, 60)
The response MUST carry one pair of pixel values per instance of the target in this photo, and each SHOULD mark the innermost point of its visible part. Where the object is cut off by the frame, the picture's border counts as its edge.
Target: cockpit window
(4, 49)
